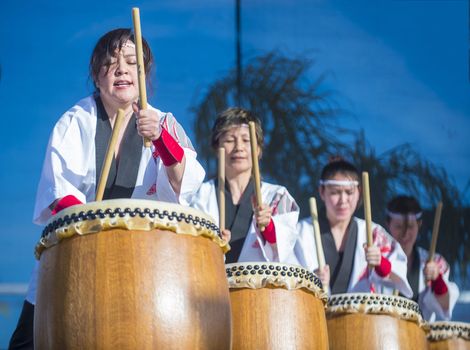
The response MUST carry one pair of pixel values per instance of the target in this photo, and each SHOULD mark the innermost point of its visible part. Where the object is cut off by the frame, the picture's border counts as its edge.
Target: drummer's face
(119, 85)
(340, 201)
(404, 231)
(236, 142)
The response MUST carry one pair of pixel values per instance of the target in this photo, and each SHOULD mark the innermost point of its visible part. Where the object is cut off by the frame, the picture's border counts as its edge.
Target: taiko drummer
(429, 280)
(351, 266)
(167, 170)
(278, 212)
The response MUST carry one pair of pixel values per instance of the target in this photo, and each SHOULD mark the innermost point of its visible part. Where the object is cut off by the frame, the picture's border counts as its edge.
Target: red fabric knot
(439, 286)
(269, 232)
(65, 202)
(152, 190)
(385, 267)
(168, 149)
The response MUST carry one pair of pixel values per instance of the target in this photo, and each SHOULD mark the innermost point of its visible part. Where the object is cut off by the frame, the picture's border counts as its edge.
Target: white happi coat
(70, 167)
(362, 279)
(256, 248)
(427, 301)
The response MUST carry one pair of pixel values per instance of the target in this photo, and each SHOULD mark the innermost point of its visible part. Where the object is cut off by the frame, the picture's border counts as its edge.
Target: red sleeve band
(385, 267)
(439, 287)
(65, 202)
(168, 148)
(269, 232)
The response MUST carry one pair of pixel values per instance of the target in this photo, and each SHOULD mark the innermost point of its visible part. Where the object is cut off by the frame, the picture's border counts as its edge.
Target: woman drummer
(429, 280)
(165, 171)
(351, 266)
(278, 212)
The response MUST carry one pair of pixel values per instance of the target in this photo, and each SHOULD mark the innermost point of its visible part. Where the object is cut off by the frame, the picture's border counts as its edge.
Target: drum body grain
(276, 306)
(374, 321)
(140, 281)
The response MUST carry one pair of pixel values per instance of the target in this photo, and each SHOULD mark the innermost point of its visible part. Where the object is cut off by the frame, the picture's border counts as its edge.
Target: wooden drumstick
(221, 189)
(109, 155)
(254, 159)
(367, 208)
(435, 232)
(140, 64)
(316, 232)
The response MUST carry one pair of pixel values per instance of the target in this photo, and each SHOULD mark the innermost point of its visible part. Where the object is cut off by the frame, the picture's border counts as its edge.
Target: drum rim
(443, 330)
(373, 303)
(95, 217)
(259, 274)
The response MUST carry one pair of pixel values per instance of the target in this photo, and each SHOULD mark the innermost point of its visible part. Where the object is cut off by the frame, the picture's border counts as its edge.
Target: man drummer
(166, 171)
(351, 266)
(429, 280)
(278, 212)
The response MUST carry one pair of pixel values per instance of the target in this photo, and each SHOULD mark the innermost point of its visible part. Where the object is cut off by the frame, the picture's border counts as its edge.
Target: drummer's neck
(112, 109)
(339, 226)
(237, 185)
(409, 255)
(339, 231)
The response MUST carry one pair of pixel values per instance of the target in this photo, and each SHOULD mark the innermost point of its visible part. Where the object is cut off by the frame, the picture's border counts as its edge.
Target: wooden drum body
(449, 336)
(276, 306)
(131, 274)
(374, 321)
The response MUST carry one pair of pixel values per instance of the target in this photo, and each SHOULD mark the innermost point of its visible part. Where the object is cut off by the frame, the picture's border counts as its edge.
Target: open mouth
(122, 83)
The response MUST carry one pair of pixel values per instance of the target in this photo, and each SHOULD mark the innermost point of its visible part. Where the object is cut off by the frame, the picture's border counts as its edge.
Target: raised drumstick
(367, 208)
(435, 231)
(254, 159)
(109, 155)
(221, 189)
(140, 64)
(316, 232)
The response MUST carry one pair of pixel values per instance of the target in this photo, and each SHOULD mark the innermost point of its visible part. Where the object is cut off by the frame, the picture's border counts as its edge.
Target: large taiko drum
(276, 306)
(374, 321)
(449, 335)
(131, 274)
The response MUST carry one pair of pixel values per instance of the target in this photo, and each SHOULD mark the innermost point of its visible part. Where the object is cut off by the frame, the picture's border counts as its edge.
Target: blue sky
(400, 67)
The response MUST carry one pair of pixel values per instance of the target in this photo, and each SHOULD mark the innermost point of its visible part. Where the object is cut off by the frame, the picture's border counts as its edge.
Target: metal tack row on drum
(134, 274)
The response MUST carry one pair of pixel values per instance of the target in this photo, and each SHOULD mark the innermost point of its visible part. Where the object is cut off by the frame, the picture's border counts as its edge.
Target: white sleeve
(397, 278)
(305, 247)
(192, 180)
(193, 172)
(66, 168)
(285, 217)
(430, 305)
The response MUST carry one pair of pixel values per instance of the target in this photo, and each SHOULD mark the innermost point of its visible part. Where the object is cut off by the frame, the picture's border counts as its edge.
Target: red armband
(438, 286)
(269, 232)
(385, 267)
(168, 149)
(65, 202)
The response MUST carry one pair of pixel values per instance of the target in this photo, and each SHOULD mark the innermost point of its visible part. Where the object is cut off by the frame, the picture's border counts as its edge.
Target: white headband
(339, 182)
(393, 215)
(128, 44)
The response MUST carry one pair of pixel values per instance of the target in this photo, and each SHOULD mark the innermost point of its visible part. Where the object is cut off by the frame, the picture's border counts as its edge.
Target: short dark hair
(106, 47)
(232, 117)
(339, 165)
